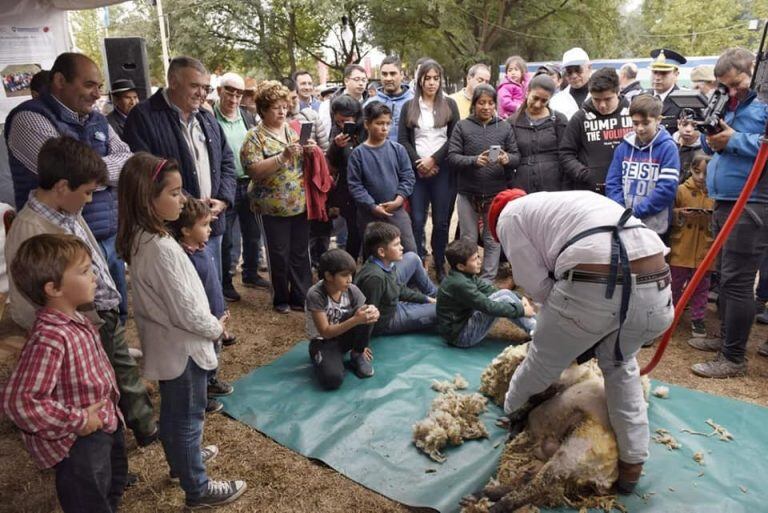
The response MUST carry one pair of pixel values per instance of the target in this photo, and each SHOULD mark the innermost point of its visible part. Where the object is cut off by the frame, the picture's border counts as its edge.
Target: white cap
(575, 57)
(232, 80)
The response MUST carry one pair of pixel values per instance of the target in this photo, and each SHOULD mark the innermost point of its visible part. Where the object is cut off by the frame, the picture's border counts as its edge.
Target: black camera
(705, 113)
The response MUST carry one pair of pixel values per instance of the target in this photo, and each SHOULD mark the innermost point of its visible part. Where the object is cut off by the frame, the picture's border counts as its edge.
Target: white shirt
(564, 103)
(663, 96)
(428, 138)
(533, 229)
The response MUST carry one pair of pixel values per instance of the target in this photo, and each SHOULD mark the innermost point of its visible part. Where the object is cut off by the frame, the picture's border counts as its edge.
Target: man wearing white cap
(235, 126)
(664, 73)
(577, 69)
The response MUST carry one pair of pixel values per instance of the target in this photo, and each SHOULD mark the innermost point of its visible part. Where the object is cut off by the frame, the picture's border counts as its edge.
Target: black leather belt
(663, 277)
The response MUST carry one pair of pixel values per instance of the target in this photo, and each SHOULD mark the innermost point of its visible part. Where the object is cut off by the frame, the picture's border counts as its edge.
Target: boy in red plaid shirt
(63, 394)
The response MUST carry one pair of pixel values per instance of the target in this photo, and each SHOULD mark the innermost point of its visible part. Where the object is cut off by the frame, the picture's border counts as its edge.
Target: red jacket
(317, 183)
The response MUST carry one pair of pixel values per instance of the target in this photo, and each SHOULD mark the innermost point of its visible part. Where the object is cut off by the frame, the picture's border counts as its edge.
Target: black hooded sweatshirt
(586, 149)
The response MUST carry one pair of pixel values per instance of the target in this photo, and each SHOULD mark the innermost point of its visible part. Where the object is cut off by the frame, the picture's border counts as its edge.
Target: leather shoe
(629, 475)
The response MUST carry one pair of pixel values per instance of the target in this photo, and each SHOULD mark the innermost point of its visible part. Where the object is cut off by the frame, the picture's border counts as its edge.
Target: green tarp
(363, 430)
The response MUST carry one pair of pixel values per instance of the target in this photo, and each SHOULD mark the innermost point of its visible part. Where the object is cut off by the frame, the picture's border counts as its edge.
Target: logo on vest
(100, 136)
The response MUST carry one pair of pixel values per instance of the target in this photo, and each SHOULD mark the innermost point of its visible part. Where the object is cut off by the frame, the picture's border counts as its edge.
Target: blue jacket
(645, 178)
(728, 170)
(395, 104)
(154, 126)
(205, 266)
(101, 212)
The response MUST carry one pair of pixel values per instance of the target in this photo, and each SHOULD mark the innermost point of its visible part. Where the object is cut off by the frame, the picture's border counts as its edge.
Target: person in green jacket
(467, 305)
(386, 279)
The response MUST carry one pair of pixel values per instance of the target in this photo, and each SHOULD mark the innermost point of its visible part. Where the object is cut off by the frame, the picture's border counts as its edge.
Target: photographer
(734, 150)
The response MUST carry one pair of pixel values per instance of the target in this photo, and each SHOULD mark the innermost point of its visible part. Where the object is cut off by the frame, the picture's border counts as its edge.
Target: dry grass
(280, 480)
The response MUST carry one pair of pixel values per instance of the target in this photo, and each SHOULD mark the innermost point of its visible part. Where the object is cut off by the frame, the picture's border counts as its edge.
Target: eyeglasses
(358, 79)
(238, 93)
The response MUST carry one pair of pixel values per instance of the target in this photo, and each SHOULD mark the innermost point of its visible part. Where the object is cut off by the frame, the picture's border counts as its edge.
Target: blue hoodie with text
(644, 177)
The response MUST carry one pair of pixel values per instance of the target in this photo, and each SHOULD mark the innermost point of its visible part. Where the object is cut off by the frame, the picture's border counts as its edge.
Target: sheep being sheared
(567, 452)
(452, 419)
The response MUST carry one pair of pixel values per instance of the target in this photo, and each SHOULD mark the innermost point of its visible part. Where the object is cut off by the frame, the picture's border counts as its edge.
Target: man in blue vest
(66, 109)
(171, 124)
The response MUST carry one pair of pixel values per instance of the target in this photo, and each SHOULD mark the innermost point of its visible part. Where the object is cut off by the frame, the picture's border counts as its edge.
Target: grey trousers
(575, 317)
(399, 218)
(468, 219)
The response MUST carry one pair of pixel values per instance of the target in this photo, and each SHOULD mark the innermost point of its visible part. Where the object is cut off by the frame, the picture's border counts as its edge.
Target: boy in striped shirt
(63, 394)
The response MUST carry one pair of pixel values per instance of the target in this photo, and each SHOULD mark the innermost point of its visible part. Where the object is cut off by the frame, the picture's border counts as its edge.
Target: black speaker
(127, 59)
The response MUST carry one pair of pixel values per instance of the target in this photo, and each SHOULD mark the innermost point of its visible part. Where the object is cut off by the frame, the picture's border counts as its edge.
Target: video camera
(705, 113)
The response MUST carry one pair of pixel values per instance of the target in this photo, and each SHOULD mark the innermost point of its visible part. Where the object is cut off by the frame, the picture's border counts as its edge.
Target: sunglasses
(233, 91)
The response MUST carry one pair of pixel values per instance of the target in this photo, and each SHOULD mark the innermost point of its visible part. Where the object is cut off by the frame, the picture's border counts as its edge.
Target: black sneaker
(218, 387)
(207, 453)
(218, 494)
(282, 309)
(229, 341)
(361, 366)
(231, 295)
(145, 440)
(213, 406)
(257, 283)
(698, 329)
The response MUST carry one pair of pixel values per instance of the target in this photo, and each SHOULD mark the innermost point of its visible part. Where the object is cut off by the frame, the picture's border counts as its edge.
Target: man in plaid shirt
(63, 393)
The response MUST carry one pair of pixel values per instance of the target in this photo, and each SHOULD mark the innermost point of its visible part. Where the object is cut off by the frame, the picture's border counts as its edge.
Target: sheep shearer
(605, 288)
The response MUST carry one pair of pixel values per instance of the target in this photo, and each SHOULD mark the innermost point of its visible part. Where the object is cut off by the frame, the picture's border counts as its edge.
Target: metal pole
(163, 41)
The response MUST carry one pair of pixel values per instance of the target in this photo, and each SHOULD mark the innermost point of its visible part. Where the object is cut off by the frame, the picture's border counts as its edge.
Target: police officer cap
(665, 59)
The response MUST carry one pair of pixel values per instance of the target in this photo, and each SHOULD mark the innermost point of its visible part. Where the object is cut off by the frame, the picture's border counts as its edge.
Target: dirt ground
(280, 480)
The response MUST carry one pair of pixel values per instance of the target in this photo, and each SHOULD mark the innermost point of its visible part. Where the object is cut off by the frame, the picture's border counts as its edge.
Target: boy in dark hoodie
(688, 140)
(593, 133)
(645, 170)
(468, 306)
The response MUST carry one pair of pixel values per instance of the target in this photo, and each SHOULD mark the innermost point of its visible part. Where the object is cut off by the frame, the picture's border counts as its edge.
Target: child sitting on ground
(691, 238)
(380, 176)
(63, 392)
(193, 229)
(468, 306)
(338, 320)
(384, 280)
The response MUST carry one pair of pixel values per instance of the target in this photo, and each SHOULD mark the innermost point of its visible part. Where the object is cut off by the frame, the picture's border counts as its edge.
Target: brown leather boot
(629, 475)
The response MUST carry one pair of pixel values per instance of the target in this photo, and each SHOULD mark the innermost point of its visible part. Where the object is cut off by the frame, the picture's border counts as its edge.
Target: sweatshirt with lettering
(587, 145)
(644, 177)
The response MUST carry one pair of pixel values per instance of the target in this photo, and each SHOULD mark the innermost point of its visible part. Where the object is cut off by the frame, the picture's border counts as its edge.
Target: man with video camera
(735, 148)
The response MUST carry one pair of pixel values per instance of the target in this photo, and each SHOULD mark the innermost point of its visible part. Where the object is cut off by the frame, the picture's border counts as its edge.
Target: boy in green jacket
(385, 280)
(467, 306)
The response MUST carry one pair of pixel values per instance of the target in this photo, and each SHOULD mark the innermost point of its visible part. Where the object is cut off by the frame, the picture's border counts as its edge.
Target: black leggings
(328, 355)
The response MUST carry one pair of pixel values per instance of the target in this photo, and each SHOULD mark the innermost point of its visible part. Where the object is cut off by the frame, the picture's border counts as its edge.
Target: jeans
(468, 219)
(92, 477)
(480, 323)
(575, 317)
(740, 259)
(182, 412)
(399, 218)
(413, 316)
(287, 240)
(681, 276)
(116, 267)
(250, 236)
(762, 283)
(214, 245)
(328, 355)
(134, 399)
(440, 192)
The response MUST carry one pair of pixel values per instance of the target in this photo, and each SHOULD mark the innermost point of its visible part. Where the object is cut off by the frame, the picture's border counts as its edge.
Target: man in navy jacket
(734, 150)
(171, 124)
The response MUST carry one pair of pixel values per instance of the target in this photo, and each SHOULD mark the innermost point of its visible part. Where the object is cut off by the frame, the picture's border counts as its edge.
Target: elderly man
(235, 124)
(124, 98)
(561, 245)
(171, 124)
(734, 150)
(355, 80)
(478, 74)
(664, 73)
(393, 93)
(305, 89)
(66, 109)
(703, 79)
(630, 85)
(577, 69)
